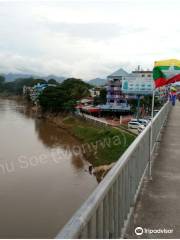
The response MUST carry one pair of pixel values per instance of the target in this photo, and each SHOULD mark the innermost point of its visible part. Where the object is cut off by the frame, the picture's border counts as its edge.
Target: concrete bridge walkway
(158, 207)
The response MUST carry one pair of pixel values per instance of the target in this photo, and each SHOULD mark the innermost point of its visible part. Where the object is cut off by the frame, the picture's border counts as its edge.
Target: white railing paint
(106, 211)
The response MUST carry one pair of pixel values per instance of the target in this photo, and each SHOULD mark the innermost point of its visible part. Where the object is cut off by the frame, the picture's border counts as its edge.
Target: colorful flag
(166, 72)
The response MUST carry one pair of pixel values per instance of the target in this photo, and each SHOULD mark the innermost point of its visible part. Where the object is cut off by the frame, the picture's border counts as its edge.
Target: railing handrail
(74, 226)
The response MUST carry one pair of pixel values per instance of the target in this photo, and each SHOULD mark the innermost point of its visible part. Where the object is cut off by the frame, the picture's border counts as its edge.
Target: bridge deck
(159, 203)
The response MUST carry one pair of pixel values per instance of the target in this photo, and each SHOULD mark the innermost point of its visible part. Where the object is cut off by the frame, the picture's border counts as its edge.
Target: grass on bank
(100, 145)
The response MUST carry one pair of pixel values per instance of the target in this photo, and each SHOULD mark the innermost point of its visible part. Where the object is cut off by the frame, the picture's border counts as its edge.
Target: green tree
(64, 96)
(16, 87)
(2, 81)
(52, 81)
(76, 88)
(101, 99)
(52, 99)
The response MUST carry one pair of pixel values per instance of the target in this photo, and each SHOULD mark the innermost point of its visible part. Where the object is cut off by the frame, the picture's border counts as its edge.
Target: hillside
(13, 76)
(97, 81)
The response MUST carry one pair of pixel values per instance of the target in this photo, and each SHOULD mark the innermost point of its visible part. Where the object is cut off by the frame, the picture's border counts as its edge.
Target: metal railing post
(105, 212)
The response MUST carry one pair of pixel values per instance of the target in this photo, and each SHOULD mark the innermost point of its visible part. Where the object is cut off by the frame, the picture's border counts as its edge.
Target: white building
(94, 92)
(138, 82)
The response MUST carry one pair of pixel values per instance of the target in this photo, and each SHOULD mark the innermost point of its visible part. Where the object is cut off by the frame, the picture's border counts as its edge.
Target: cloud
(84, 69)
(86, 39)
(95, 31)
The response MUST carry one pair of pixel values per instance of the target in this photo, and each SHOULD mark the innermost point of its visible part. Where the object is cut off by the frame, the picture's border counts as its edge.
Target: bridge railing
(106, 212)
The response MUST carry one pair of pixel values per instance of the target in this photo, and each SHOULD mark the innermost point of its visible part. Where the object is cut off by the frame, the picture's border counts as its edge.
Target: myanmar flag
(166, 72)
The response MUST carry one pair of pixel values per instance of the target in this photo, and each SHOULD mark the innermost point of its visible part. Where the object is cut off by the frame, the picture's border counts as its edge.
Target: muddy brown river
(42, 181)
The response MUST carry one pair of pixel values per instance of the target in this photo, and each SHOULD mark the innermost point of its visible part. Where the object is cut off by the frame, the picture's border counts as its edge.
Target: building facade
(94, 92)
(34, 92)
(115, 96)
(138, 82)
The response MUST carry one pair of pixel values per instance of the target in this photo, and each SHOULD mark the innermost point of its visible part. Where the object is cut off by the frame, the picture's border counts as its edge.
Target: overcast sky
(86, 39)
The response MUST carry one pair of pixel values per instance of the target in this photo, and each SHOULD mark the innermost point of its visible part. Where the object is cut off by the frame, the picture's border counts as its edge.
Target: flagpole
(151, 137)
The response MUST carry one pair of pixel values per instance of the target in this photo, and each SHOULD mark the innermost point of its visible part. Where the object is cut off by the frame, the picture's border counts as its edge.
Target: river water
(42, 183)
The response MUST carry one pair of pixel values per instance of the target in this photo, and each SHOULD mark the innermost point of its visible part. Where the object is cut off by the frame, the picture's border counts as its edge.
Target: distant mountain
(97, 81)
(13, 76)
(58, 79)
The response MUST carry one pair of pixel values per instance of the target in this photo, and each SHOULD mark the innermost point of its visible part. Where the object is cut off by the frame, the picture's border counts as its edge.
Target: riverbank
(100, 145)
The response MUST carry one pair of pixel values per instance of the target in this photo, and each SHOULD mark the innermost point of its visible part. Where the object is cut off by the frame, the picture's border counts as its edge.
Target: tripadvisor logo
(139, 231)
